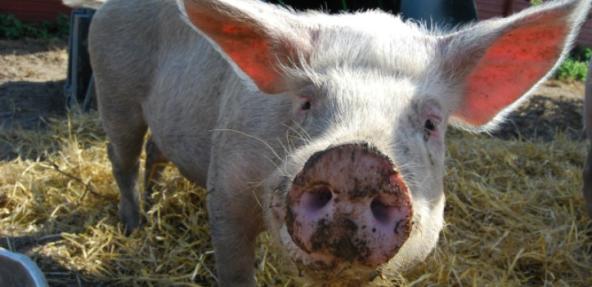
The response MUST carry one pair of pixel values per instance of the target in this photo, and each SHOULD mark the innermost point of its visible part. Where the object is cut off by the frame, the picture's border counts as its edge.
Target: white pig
(325, 130)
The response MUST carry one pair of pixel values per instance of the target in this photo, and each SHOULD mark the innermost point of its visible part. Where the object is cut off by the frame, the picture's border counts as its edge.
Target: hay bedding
(514, 215)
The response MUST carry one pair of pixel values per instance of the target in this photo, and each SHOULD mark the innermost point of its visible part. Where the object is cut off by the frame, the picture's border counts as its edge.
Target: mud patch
(339, 239)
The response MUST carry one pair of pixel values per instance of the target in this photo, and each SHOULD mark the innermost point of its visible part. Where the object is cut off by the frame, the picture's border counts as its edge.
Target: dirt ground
(32, 81)
(554, 107)
(33, 76)
(33, 73)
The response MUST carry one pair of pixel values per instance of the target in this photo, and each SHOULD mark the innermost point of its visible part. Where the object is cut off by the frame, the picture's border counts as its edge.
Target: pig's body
(328, 131)
(220, 132)
(176, 83)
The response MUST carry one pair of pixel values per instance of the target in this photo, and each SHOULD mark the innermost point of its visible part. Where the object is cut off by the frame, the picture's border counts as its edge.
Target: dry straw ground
(514, 216)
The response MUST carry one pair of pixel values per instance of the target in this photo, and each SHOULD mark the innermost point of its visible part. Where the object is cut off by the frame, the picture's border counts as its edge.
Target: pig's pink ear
(497, 62)
(255, 37)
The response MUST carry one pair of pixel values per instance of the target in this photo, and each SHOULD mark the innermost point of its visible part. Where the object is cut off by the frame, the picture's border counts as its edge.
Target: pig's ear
(496, 62)
(256, 38)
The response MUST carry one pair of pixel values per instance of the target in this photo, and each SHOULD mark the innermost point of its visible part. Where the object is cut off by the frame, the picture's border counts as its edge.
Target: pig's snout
(349, 205)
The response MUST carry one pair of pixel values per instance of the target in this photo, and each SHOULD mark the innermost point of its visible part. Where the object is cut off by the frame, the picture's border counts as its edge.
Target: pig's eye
(428, 128)
(306, 106)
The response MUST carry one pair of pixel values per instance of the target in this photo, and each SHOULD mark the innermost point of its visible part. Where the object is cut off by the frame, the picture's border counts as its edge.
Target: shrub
(575, 68)
(13, 28)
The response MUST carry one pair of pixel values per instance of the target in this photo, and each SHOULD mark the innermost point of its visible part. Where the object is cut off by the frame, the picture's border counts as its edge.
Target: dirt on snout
(339, 238)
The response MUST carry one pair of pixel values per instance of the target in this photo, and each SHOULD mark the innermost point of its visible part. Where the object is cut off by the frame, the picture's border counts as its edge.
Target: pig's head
(372, 96)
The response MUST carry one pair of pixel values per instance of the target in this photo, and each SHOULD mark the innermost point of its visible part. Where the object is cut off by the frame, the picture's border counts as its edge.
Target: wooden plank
(48, 10)
(34, 10)
(489, 8)
(508, 6)
(585, 37)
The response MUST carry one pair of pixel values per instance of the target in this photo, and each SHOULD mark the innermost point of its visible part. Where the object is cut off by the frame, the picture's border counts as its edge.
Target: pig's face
(363, 188)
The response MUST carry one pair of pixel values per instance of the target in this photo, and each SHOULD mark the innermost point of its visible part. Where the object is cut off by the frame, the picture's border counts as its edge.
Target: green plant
(575, 68)
(536, 2)
(13, 28)
(572, 69)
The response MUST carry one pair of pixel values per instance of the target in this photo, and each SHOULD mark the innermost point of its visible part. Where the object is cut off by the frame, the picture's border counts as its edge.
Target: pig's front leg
(235, 222)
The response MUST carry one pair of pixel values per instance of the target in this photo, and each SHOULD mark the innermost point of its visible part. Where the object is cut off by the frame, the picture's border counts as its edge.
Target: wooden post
(508, 7)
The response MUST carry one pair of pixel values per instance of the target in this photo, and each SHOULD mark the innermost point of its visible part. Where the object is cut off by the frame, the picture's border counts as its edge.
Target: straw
(515, 216)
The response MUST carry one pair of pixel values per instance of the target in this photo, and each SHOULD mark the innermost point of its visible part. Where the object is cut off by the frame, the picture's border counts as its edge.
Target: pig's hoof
(131, 222)
(129, 229)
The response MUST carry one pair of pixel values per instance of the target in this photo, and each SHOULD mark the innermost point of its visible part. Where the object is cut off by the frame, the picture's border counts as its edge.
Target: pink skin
(349, 205)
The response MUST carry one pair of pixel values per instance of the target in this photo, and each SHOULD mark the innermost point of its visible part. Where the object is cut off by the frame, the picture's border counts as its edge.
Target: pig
(587, 176)
(326, 131)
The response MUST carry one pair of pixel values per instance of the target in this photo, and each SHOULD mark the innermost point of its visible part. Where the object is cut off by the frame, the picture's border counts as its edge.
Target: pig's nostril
(317, 197)
(381, 211)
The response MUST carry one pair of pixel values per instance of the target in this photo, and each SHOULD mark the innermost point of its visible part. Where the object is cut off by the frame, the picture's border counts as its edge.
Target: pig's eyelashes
(429, 128)
(429, 125)
(431, 114)
(306, 106)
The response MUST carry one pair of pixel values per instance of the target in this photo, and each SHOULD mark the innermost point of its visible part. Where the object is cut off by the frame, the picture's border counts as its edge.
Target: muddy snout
(349, 205)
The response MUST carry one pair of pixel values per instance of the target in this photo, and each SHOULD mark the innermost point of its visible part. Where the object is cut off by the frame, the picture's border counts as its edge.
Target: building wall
(34, 10)
(47, 10)
(498, 8)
